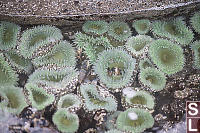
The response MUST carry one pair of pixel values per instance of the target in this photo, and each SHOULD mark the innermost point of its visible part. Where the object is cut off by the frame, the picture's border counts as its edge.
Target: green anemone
(167, 56)
(111, 120)
(55, 80)
(132, 97)
(33, 40)
(92, 46)
(95, 27)
(65, 121)
(14, 99)
(142, 26)
(8, 35)
(61, 55)
(69, 100)
(196, 49)
(137, 45)
(94, 99)
(145, 63)
(134, 120)
(38, 97)
(114, 68)
(113, 131)
(120, 31)
(174, 29)
(195, 22)
(153, 78)
(7, 75)
(19, 62)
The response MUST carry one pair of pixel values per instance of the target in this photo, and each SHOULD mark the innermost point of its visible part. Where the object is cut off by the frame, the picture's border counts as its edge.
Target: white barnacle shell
(129, 92)
(132, 116)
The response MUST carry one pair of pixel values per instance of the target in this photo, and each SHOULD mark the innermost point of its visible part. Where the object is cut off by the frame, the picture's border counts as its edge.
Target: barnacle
(8, 35)
(195, 22)
(120, 31)
(14, 99)
(92, 46)
(134, 120)
(142, 26)
(137, 45)
(65, 121)
(167, 56)
(96, 98)
(18, 62)
(95, 27)
(132, 97)
(33, 40)
(114, 68)
(174, 29)
(196, 49)
(38, 97)
(55, 81)
(113, 131)
(7, 75)
(69, 101)
(153, 78)
(62, 54)
(145, 63)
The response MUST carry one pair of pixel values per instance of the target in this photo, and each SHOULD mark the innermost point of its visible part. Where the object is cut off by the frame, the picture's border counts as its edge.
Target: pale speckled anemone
(137, 45)
(120, 31)
(195, 22)
(65, 121)
(142, 26)
(153, 78)
(14, 99)
(7, 75)
(95, 98)
(92, 46)
(8, 35)
(167, 56)
(37, 38)
(95, 27)
(174, 29)
(142, 120)
(196, 50)
(113, 131)
(17, 61)
(145, 63)
(131, 98)
(38, 97)
(115, 68)
(61, 55)
(69, 101)
(55, 81)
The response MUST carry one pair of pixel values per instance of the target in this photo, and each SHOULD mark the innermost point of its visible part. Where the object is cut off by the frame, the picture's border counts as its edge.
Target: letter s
(193, 108)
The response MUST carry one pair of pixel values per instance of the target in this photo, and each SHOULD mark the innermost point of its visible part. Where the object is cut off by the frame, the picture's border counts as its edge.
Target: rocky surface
(73, 12)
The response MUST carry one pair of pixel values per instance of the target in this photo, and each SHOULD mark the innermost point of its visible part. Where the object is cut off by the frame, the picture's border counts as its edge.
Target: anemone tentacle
(196, 54)
(145, 63)
(195, 22)
(142, 26)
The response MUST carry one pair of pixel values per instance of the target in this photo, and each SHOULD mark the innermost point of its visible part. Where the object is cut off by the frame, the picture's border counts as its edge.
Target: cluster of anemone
(119, 31)
(153, 79)
(9, 33)
(18, 62)
(195, 22)
(142, 26)
(55, 81)
(38, 97)
(167, 56)
(95, 27)
(92, 46)
(174, 29)
(95, 98)
(134, 120)
(137, 45)
(38, 40)
(115, 68)
(7, 75)
(13, 99)
(196, 52)
(61, 55)
(131, 98)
